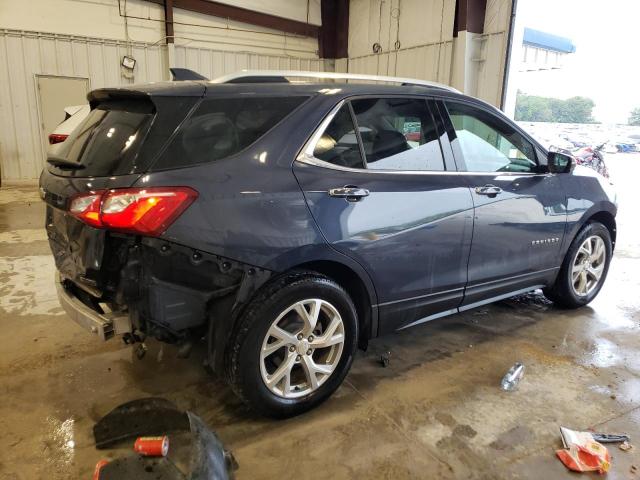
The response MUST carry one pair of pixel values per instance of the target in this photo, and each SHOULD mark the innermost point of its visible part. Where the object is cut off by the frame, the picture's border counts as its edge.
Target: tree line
(532, 108)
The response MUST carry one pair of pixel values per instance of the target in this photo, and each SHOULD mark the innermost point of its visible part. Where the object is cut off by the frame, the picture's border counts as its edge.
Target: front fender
(588, 194)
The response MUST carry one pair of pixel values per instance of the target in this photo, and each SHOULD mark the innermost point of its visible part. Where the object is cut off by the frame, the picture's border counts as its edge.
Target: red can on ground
(152, 446)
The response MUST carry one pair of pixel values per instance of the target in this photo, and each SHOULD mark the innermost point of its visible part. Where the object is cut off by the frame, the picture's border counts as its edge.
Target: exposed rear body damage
(166, 290)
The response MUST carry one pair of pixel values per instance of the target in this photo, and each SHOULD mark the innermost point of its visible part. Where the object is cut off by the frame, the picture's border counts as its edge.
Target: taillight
(87, 208)
(144, 211)
(57, 138)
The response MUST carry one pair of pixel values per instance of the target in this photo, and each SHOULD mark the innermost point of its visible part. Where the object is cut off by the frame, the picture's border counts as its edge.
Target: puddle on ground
(602, 353)
(59, 443)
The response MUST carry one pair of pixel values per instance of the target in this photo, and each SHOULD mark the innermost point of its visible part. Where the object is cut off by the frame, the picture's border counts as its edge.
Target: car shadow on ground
(194, 387)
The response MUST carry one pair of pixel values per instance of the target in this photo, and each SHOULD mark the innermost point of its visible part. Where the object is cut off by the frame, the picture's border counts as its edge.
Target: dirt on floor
(437, 410)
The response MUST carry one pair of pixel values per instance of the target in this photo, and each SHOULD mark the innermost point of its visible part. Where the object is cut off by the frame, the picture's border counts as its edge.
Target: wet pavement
(436, 412)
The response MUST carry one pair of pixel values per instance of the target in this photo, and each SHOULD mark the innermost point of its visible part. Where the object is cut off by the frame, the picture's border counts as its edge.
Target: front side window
(339, 144)
(488, 144)
(398, 134)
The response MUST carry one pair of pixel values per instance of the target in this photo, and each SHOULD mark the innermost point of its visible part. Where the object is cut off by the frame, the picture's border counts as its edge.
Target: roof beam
(334, 32)
(245, 15)
(469, 16)
(168, 20)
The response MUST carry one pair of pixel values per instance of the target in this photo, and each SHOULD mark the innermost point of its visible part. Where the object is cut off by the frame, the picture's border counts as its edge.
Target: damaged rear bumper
(104, 325)
(152, 288)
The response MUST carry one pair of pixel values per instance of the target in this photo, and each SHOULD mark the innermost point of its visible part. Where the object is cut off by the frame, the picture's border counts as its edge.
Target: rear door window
(398, 134)
(221, 127)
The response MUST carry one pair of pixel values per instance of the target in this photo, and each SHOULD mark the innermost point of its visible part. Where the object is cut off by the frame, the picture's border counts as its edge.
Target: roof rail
(264, 76)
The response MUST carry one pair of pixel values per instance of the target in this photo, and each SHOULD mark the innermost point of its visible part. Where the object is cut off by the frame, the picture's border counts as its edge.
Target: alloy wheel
(302, 348)
(588, 266)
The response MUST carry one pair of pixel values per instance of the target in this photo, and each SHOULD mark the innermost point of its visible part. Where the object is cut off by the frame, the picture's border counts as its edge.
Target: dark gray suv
(287, 223)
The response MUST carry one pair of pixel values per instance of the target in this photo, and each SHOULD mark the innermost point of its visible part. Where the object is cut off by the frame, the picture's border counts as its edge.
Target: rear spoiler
(107, 94)
(180, 74)
(146, 92)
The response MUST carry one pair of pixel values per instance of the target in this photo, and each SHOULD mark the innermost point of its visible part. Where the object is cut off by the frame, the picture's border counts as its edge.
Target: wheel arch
(559, 291)
(603, 212)
(608, 220)
(326, 261)
(357, 289)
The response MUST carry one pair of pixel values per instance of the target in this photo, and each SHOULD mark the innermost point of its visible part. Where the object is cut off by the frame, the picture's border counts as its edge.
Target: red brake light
(145, 211)
(57, 138)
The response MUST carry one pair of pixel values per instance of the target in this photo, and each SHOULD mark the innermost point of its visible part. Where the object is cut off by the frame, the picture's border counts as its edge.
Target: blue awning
(548, 41)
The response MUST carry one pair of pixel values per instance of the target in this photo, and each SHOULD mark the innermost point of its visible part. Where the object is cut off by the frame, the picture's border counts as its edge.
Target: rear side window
(107, 142)
(398, 134)
(221, 127)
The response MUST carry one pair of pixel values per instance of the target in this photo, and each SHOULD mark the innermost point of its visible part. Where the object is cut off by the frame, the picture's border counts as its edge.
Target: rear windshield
(221, 127)
(108, 141)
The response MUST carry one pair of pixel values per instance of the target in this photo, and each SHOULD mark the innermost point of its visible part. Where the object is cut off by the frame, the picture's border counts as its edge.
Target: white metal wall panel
(493, 51)
(215, 63)
(423, 30)
(428, 62)
(497, 16)
(491, 68)
(23, 55)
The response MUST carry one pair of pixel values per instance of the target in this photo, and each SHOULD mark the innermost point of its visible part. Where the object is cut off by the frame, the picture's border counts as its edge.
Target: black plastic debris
(138, 467)
(207, 458)
(610, 437)
(143, 417)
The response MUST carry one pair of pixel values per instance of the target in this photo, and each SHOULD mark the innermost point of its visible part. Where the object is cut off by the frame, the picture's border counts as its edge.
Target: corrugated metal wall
(214, 63)
(432, 61)
(493, 51)
(491, 67)
(23, 55)
(416, 40)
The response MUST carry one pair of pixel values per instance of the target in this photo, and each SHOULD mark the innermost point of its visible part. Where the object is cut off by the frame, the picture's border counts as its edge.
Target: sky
(606, 64)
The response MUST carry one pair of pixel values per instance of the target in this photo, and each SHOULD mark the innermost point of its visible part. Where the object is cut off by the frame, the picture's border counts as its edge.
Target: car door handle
(350, 193)
(489, 190)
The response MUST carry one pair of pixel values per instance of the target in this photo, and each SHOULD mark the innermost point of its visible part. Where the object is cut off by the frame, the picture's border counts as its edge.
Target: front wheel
(294, 344)
(584, 268)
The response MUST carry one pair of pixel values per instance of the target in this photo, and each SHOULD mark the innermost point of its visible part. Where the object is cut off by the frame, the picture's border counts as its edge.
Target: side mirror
(560, 162)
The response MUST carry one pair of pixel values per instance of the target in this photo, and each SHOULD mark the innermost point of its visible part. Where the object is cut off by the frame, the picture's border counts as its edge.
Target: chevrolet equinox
(288, 222)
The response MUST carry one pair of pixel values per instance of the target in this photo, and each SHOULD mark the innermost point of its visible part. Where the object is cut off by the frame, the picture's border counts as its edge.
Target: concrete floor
(435, 412)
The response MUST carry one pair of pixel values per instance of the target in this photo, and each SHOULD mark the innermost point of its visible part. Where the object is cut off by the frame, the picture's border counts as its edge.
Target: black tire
(243, 360)
(562, 292)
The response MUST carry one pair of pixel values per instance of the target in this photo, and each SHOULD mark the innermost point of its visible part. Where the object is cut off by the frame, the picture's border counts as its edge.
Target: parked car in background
(289, 223)
(73, 116)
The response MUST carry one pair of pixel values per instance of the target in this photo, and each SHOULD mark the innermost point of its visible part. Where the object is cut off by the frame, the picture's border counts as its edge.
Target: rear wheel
(294, 345)
(584, 268)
